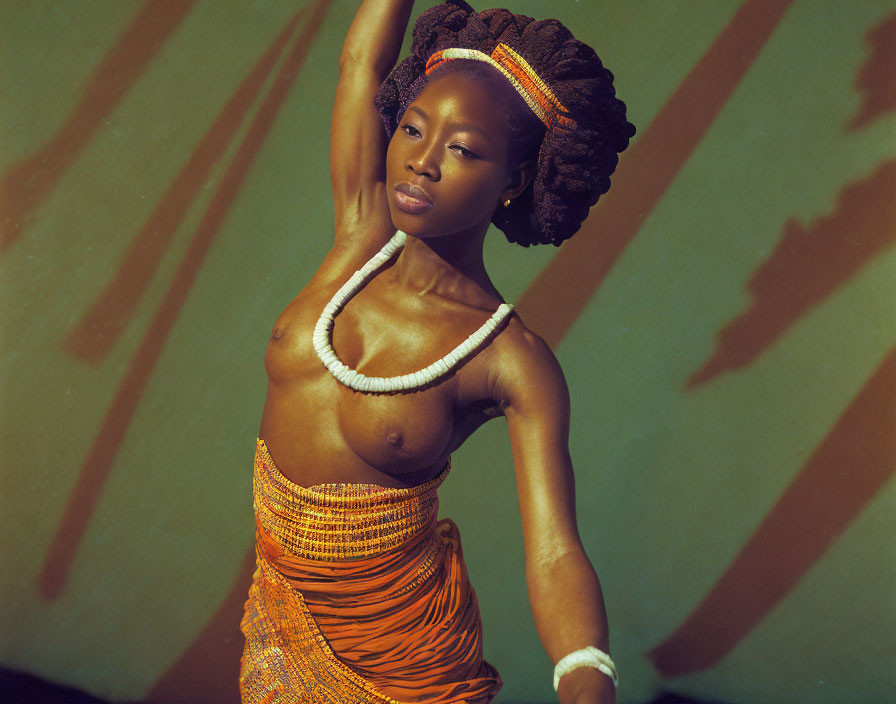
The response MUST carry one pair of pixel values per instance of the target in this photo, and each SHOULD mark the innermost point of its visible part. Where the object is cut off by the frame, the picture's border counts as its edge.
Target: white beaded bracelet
(590, 657)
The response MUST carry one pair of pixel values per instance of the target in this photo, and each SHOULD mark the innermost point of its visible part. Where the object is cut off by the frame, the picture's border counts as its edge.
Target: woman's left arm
(564, 591)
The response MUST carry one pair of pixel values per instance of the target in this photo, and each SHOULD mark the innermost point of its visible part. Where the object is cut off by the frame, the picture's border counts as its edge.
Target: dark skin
(452, 143)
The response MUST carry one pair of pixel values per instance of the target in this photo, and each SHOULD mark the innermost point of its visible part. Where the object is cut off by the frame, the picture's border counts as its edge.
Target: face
(450, 149)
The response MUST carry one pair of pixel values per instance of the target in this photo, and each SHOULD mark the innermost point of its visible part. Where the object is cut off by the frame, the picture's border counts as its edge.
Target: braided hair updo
(574, 166)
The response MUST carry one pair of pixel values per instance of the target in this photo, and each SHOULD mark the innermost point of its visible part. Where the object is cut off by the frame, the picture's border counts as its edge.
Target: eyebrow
(464, 126)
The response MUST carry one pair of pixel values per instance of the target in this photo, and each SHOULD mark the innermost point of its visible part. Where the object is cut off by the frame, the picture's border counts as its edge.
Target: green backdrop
(725, 319)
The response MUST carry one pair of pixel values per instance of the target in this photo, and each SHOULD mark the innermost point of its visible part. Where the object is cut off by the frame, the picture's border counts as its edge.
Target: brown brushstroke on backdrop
(99, 461)
(94, 335)
(877, 78)
(28, 183)
(845, 472)
(556, 298)
(807, 266)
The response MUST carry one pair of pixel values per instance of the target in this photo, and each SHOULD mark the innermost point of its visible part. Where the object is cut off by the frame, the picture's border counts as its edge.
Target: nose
(423, 160)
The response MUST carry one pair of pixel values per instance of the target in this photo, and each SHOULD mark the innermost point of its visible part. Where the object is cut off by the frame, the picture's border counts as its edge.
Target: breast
(360, 435)
(398, 434)
(289, 357)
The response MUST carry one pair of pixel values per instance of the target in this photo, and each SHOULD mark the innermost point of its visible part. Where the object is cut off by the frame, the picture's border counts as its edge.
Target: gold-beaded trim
(340, 520)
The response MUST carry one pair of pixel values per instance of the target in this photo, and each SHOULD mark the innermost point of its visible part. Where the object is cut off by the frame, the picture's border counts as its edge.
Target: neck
(450, 266)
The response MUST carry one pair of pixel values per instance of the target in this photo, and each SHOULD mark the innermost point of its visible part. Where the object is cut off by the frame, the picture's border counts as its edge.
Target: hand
(586, 685)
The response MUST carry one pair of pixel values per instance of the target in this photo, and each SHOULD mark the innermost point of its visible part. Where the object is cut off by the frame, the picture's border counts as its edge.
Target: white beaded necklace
(385, 384)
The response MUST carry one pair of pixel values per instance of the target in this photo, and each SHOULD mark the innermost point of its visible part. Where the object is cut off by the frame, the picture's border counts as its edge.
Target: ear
(520, 178)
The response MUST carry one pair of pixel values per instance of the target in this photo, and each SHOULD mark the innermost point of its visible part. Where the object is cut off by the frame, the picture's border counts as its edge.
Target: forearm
(568, 608)
(375, 36)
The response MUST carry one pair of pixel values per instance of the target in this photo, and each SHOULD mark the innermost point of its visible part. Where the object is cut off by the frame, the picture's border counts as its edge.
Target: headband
(522, 77)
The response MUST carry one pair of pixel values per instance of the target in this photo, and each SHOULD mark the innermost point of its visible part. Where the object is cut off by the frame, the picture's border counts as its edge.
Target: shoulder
(526, 374)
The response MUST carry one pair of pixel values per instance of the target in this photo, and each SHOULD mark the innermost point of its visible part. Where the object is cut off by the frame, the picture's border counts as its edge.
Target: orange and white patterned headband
(522, 77)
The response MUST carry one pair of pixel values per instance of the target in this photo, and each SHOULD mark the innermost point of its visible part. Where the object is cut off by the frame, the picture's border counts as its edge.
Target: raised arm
(357, 138)
(564, 591)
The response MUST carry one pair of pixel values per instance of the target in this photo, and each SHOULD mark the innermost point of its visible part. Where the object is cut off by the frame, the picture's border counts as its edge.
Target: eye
(464, 152)
(410, 130)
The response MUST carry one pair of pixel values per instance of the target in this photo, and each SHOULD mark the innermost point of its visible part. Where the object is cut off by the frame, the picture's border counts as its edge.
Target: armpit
(493, 411)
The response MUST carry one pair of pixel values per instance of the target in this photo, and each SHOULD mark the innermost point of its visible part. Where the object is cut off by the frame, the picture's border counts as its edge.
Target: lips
(411, 198)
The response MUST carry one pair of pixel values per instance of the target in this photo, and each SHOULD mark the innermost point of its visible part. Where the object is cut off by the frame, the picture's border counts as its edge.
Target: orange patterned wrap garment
(360, 597)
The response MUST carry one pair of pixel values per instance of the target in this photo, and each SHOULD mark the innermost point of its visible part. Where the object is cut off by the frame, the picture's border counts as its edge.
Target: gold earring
(507, 202)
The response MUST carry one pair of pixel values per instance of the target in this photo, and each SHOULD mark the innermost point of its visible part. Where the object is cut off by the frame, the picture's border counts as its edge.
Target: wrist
(586, 685)
(589, 656)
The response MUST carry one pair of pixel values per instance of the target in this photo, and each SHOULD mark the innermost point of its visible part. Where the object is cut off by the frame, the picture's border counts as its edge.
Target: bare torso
(319, 430)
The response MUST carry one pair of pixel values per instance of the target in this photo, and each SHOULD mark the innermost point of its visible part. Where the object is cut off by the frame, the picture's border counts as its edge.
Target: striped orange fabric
(360, 596)
(537, 94)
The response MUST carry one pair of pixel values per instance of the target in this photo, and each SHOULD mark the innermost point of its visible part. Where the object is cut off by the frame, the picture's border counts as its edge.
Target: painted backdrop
(725, 318)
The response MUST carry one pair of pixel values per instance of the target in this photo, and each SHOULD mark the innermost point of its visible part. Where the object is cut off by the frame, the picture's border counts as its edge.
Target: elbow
(345, 65)
(542, 570)
(552, 551)
(348, 59)
(354, 61)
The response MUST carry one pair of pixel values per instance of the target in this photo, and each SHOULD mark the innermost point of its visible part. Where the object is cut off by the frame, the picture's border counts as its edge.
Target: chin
(424, 226)
(410, 224)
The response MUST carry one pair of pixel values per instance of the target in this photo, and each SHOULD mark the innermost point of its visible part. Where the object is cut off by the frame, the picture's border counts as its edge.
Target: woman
(400, 347)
